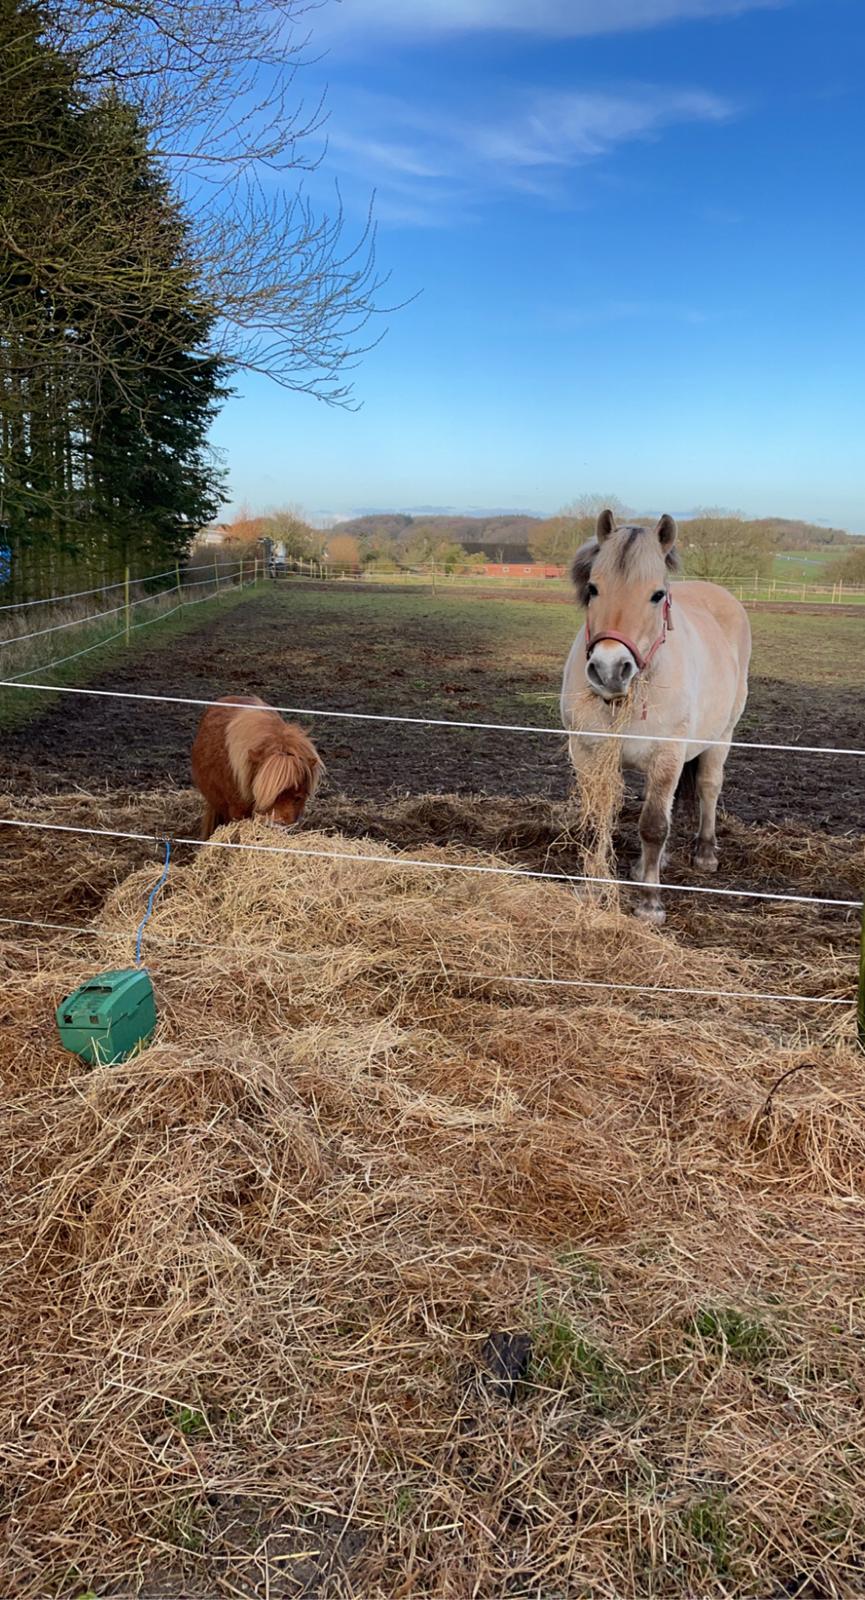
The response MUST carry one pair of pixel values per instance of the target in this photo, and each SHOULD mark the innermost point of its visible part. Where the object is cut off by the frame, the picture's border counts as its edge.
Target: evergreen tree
(107, 384)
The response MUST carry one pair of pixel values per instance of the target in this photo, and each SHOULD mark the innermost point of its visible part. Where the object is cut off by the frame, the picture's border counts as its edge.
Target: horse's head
(622, 578)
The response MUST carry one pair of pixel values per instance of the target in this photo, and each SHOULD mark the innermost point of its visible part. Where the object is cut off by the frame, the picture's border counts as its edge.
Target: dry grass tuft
(250, 1275)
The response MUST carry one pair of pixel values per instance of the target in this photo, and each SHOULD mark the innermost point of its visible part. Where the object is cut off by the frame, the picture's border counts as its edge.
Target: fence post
(216, 573)
(179, 587)
(241, 572)
(255, 575)
(860, 1010)
(126, 598)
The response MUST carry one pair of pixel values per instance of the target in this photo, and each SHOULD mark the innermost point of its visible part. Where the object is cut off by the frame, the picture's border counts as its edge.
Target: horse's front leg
(661, 782)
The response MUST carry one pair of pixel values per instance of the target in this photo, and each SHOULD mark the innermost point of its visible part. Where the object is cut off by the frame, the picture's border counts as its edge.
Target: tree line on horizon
(715, 544)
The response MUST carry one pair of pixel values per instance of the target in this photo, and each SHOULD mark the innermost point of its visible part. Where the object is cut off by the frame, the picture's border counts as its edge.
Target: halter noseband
(620, 638)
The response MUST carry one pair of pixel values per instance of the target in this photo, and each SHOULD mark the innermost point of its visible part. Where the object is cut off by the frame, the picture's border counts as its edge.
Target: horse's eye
(592, 591)
(658, 596)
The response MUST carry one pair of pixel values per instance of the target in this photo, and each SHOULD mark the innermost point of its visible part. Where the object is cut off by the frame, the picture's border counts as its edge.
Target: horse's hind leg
(710, 778)
(654, 829)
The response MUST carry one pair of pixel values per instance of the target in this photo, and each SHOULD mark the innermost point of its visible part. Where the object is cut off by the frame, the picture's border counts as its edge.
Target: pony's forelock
(297, 770)
(581, 568)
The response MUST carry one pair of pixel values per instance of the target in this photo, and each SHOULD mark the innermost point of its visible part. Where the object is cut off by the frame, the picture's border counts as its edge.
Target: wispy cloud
(550, 18)
(428, 165)
(612, 311)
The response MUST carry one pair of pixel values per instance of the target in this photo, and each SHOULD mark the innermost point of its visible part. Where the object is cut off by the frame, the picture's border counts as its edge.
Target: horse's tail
(686, 788)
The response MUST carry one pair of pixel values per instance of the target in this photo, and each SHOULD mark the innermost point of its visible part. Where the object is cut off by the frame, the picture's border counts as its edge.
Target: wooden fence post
(179, 586)
(216, 573)
(126, 597)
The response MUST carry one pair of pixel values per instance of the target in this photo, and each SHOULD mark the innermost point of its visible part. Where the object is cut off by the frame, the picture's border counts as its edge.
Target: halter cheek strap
(620, 638)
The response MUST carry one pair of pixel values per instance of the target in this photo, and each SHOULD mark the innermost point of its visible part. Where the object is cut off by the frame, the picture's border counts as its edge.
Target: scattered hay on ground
(251, 1274)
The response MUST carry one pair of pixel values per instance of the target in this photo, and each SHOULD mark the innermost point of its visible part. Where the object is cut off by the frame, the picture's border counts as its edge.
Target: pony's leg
(210, 821)
(661, 784)
(710, 778)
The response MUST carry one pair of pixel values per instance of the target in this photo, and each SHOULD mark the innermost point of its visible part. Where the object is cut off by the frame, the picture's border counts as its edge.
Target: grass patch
(17, 707)
(706, 1523)
(185, 1525)
(735, 1335)
(563, 1357)
(432, 646)
(191, 1423)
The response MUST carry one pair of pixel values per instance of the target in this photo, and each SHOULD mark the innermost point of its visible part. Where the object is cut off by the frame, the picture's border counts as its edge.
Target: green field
(792, 577)
(818, 565)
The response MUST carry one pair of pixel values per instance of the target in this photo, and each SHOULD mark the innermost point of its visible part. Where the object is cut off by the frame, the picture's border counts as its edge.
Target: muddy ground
(435, 668)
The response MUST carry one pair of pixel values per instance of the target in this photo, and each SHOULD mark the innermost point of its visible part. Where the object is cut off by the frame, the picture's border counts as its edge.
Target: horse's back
(713, 610)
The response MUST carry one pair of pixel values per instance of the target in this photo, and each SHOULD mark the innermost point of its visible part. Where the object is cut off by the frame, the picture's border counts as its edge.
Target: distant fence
(524, 577)
(28, 629)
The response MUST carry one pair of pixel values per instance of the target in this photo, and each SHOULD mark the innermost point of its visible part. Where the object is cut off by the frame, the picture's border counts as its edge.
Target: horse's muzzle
(610, 673)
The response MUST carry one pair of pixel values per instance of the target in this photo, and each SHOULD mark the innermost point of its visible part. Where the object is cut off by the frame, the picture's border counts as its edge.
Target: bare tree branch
(215, 82)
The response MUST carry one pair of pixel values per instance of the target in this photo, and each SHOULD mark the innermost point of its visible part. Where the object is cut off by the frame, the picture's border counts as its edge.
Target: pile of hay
(251, 1276)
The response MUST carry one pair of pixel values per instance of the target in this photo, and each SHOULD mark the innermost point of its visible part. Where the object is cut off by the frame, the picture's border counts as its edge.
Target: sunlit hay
(597, 794)
(249, 1275)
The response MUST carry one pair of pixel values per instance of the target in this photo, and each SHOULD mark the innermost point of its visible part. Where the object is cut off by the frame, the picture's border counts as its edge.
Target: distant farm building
(521, 569)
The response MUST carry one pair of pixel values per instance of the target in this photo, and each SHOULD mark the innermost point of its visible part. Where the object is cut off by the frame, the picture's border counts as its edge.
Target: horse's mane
(581, 566)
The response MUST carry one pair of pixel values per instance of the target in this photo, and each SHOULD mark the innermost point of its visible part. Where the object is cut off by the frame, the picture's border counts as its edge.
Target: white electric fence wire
(60, 661)
(96, 616)
(483, 978)
(400, 862)
(79, 594)
(105, 588)
(109, 934)
(446, 722)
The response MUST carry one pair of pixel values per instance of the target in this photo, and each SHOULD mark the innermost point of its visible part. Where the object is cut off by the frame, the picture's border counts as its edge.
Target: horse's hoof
(650, 911)
(705, 859)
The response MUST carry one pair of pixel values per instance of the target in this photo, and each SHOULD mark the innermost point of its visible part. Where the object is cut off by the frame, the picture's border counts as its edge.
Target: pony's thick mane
(295, 768)
(581, 566)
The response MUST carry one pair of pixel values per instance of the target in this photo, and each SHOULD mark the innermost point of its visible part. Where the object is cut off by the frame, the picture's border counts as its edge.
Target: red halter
(641, 660)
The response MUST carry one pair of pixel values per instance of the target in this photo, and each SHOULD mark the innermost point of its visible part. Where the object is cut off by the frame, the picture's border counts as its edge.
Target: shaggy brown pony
(247, 762)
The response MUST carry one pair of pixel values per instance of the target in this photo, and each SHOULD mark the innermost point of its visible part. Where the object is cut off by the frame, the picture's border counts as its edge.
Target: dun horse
(680, 660)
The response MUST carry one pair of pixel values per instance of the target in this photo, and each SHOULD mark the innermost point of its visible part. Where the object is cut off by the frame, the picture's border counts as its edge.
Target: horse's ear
(666, 531)
(606, 525)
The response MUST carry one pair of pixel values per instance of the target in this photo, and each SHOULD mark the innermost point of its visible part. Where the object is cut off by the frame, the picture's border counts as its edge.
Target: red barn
(521, 569)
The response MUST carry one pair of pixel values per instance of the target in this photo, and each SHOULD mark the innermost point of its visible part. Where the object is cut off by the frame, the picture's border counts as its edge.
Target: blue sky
(638, 233)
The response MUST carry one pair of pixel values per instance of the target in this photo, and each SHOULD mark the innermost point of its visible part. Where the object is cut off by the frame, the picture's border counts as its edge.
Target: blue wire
(150, 904)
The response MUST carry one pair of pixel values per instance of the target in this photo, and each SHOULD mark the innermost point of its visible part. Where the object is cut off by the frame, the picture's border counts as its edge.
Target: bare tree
(288, 526)
(556, 538)
(216, 83)
(720, 545)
